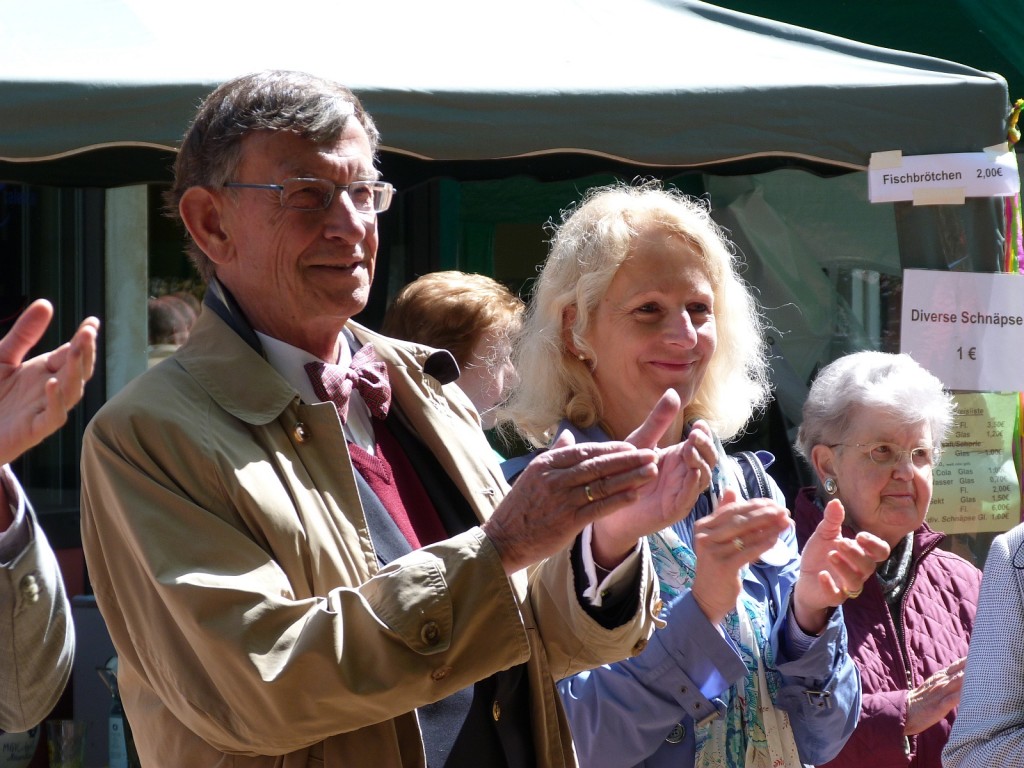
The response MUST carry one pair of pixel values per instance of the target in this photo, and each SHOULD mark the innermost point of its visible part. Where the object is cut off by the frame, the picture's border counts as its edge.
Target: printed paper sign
(975, 486)
(938, 179)
(966, 327)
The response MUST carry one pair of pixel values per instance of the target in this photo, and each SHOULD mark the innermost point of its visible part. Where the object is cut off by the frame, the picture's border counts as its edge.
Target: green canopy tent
(986, 35)
(653, 83)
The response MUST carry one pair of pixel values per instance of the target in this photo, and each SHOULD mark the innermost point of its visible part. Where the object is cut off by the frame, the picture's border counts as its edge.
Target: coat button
(496, 711)
(677, 734)
(301, 432)
(430, 633)
(30, 588)
(440, 673)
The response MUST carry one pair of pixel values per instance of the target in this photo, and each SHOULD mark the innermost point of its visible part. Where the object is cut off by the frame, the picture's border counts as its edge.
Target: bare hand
(934, 698)
(736, 534)
(684, 471)
(36, 395)
(560, 492)
(833, 568)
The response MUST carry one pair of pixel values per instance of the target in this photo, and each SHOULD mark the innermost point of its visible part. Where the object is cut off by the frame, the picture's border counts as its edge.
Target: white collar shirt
(290, 361)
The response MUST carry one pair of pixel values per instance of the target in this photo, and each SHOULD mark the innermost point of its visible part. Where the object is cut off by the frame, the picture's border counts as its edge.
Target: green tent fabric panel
(984, 34)
(994, 39)
(828, 265)
(449, 194)
(800, 236)
(965, 238)
(476, 253)
(505, 223)
(702, 84)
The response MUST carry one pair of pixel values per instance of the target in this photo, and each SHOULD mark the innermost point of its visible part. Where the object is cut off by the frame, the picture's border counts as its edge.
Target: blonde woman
(639, 297)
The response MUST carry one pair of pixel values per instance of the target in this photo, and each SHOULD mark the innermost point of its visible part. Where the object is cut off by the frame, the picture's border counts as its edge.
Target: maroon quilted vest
(937, 612)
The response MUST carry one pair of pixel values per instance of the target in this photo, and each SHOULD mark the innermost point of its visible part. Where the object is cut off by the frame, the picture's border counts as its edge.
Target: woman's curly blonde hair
(593, 240)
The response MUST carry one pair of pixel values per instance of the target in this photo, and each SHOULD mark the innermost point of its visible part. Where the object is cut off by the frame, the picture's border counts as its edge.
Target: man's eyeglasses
(889, 454)
(316, 194)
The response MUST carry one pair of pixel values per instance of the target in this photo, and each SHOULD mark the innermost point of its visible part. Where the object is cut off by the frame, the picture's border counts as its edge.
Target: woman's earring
(582, 358)
(831, 486)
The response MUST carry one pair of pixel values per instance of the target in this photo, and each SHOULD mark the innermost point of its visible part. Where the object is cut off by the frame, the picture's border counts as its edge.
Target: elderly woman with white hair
(639, 303)
(873, 425)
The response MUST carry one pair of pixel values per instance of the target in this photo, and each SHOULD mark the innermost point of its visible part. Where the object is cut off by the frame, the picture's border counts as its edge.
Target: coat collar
(233, 372)
(224, 356)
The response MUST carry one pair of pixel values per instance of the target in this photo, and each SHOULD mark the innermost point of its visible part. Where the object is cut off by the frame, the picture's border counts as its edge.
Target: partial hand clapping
(734, 535)
(684, 471)
(934, 698)
(560, 492)
(833, 568)
(36, 395)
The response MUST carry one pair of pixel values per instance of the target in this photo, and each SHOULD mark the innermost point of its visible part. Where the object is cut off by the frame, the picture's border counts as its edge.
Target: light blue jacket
(641, 711)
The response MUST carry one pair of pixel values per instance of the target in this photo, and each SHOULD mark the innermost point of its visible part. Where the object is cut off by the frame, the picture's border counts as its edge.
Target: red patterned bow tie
(367, 374)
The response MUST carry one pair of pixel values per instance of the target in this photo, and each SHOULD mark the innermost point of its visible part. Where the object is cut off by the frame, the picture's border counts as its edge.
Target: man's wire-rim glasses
(302, 194)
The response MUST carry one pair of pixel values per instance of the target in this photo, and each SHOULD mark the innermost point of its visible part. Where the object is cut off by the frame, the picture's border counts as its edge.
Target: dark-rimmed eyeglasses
(889, 454)
(367, 197)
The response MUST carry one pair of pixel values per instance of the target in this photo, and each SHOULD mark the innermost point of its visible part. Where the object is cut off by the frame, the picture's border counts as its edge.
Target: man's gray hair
(310, 107)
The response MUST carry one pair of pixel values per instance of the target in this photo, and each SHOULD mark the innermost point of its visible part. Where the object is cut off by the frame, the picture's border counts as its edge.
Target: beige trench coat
(37, 638)
(230, 557)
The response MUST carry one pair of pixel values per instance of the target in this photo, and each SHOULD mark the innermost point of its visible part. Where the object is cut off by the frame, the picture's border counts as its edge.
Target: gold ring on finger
(590, 497)
(738, 543)
(851, 595)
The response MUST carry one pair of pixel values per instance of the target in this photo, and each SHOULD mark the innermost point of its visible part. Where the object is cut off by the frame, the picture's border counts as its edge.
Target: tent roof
(672, 83)
(985, 35)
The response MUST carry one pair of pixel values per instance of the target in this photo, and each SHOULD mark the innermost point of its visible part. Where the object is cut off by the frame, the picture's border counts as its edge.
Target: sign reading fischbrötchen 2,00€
(942, 179)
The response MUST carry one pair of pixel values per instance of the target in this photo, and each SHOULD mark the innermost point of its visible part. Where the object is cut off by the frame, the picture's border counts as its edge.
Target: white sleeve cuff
(599, 586)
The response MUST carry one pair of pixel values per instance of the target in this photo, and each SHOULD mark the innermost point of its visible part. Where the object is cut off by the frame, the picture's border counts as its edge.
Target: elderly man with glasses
(298, 537)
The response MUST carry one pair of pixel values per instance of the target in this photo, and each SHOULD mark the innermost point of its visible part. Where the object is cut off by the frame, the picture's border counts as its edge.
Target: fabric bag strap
(752, 473)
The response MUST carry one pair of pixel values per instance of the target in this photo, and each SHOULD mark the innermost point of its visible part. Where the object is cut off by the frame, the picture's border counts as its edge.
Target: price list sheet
(976, 488)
